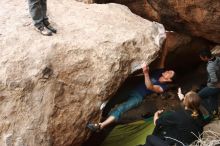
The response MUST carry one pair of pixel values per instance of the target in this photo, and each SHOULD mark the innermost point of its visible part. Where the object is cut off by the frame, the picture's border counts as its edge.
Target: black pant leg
(36, 12)
(153, 140)
(44, 11)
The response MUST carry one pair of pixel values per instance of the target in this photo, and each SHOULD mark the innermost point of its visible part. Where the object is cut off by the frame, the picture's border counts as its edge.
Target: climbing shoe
(44, 31)
(51, 28)
(93, 127)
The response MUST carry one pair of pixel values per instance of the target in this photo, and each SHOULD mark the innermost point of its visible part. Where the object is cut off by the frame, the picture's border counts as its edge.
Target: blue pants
(210, 98)
(131, 99)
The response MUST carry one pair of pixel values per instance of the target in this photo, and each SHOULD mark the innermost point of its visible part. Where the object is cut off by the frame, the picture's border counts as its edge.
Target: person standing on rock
(209, 94)
(157, 83)
(38, 10)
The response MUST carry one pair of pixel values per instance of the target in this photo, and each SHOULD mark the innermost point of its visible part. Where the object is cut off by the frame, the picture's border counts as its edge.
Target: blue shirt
(141, 87)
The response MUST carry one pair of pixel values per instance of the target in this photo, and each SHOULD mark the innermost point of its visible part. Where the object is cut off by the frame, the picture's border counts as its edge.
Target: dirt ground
(151, 104)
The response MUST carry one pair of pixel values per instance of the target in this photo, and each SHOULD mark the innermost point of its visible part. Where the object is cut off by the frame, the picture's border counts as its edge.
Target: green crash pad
(131, 134)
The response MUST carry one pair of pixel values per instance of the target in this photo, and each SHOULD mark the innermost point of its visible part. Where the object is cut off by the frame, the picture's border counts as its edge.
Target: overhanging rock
(50, 87)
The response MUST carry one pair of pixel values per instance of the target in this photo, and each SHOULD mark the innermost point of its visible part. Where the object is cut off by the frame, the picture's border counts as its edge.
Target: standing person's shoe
(44, 31)
(51, 28)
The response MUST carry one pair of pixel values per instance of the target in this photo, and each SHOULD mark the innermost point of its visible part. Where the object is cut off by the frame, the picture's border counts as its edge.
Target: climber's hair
(206, 53)
(192, 102)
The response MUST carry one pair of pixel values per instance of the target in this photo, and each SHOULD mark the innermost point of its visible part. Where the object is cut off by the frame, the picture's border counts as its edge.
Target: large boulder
(198, 17)
(50, 87)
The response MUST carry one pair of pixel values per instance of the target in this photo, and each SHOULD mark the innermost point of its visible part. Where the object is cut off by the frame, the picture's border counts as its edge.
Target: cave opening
(183, 57)
(188, 80)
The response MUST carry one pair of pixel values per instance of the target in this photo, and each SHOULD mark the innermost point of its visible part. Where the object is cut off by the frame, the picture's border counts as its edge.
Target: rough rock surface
(197, 17)
(184, 52)
(214, 126)
(216, 50)
(183, 55)
(50, 87)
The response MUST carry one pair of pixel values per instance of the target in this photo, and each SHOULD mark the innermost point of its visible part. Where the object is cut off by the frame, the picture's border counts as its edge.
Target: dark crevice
(132, 115)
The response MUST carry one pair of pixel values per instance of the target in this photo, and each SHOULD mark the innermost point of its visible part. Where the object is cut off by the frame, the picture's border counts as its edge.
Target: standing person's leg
(45, 18)
(44, 11)
(36, 12)
(209, 98)
(35, 8)
(207, 92)
(214, 101)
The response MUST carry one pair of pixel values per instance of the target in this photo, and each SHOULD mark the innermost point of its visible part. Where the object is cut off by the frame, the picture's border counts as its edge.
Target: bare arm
(148, 82)
(180, 94)
(157, 115)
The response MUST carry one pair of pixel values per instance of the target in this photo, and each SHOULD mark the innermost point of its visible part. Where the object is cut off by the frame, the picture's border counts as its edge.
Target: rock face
(216, 50)
(50, 87)
(197, 17)
(213, 126)
(184, 52)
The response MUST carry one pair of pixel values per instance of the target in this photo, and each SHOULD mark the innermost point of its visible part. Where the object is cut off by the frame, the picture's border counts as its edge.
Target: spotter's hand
(180, 94)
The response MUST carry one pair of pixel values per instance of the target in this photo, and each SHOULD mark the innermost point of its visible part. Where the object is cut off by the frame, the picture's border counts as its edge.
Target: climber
(209, 94)
(157, 83)
(38, 10)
